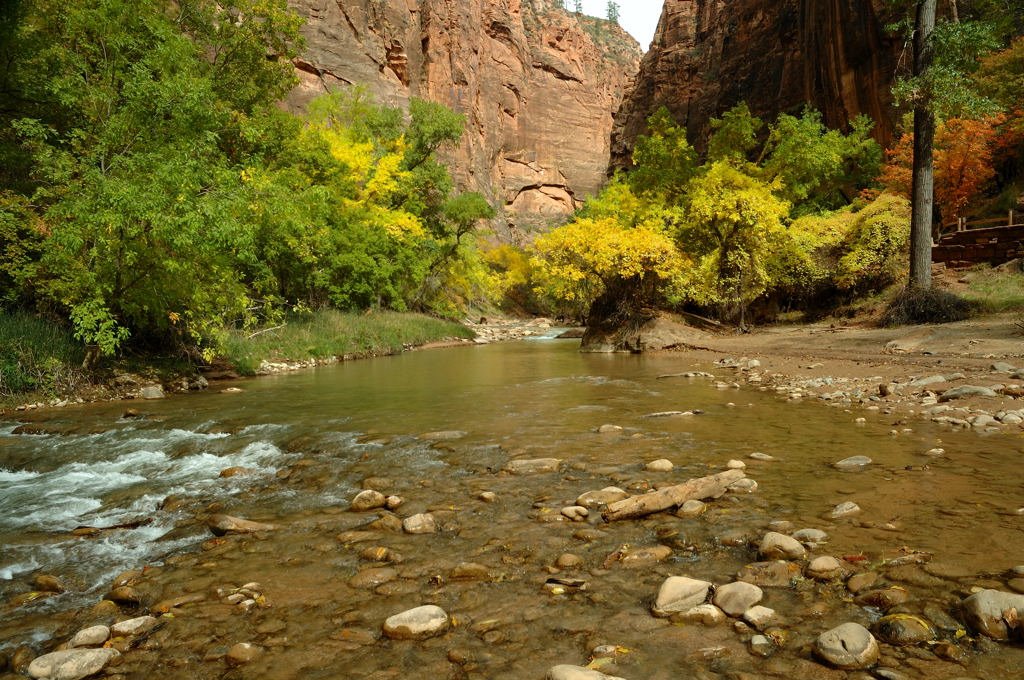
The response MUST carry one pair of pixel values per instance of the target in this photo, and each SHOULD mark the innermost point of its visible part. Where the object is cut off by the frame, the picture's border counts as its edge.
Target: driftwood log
(713, 486)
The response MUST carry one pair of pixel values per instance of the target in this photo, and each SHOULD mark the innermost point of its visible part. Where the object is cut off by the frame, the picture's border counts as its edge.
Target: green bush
(37, 355)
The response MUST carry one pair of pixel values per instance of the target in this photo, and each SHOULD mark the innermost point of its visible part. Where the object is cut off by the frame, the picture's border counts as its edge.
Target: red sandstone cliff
(777, 55)
(538, 86)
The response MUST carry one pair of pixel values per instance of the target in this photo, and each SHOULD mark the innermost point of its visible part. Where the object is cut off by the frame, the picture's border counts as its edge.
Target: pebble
(848, 647)
(133, 627)
(226, 524)
(760, 617)
(242, 653)
(845, 509)
(761, 645)
(853, 463)
(368, 500)
(824, 568)
(966, 391)
(576, 513)
(757, 455)
(680, 594)
(394, 502)
(883, 598)
(704, 614)
(660, 465)
(93, 636)
(609, 429)
(568, 561)
(488, 496)
(811, 537)
(745, 485)
(48, 584)
(566, 672)
(778, 574)
(780, 546)
(71, 664)
(533, 466)
(736, 465)
(692, 508)
(422, 523)
(417, 624)
(736, 598)
(606, 496)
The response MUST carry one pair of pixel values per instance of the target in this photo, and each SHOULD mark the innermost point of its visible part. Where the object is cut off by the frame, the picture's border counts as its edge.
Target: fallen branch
(265, 330)
(713, 486)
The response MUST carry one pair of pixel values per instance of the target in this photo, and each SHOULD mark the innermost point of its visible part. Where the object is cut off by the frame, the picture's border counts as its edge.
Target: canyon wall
(538, 86)
(777, 55)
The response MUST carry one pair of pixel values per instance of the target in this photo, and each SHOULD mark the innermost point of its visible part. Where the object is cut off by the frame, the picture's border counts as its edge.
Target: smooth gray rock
(606, 496)
(71, 664)
(848, 647)
(132, 627)
(845, 509)
(967, 391)
(811, 537)
(422, 523)
(987, 612)
(736, 598)
(705, 614)
(776, 546)
(1003, 367)
(825, 568)
(853, 463)
(566, 672)
(417, 624)
(93, 636)
(226, 524)
(680, 594)
(152, 392)
(760, 617)
(533, 467)
(660, 465)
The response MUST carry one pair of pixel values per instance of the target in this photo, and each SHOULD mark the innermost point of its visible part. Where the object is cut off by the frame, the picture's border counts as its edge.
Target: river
(306, 442)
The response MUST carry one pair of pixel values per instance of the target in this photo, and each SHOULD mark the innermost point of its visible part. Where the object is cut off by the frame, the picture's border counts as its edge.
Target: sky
(639, 17)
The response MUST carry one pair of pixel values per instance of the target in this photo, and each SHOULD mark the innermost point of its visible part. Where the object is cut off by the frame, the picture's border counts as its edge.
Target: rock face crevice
(538, 87)
(777, 55)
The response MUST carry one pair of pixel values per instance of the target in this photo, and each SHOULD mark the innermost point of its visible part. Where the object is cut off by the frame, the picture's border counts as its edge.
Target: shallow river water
(936, 526)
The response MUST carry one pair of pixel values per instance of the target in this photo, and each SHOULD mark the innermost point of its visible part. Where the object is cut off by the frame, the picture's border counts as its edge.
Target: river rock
(845, 509)
(746, 485)
(994, 613)
(691, 508)
(373, 577)
(679, 594)
(704, 614)
(609, 429)
(576, 513)
(488, 496)
(242, 653)
(777, 574)
(443, 435)
(417, 624)
(853, 463)
(811, 537)
(776, 546)
(422, 523)
(903, 629)
(392, 503)
(1003, 367)
(568, 561)
(606, 496)
(736, 598)
(966, 391)
(736, 465)
(824, 568)
(124, 595)
(93, 636)
(646, 557)
(48, 584)
(133, 627)
(71, 664)
(368, 500)
(660, 465)
(760, 617)
(226, 524)
(533, 467)
(882, 598)
(566, 672)
(757, 455)
(848, 647)
(152, 392)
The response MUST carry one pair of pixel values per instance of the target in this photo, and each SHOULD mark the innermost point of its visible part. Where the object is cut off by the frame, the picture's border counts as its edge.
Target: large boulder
(614, 331)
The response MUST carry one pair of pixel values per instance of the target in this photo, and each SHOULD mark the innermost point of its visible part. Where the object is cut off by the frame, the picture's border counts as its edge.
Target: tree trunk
(924, 136)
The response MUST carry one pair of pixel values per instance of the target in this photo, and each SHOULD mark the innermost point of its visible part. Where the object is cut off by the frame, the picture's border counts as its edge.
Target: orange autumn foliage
(964, 150)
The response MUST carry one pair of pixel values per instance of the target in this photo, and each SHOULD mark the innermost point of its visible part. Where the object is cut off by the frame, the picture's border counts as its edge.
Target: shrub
(932, 305)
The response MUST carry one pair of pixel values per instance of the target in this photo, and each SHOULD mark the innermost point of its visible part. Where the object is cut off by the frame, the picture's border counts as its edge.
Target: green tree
(613, 12)
(663, 160)
(734, 135)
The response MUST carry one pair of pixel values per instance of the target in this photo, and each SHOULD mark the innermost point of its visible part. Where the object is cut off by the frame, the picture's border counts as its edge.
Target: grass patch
(996, 290)
(934, 305)
(38, 356)
(329, 334)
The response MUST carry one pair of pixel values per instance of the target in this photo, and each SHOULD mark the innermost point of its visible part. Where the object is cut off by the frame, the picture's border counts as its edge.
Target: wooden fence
(967, 242)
